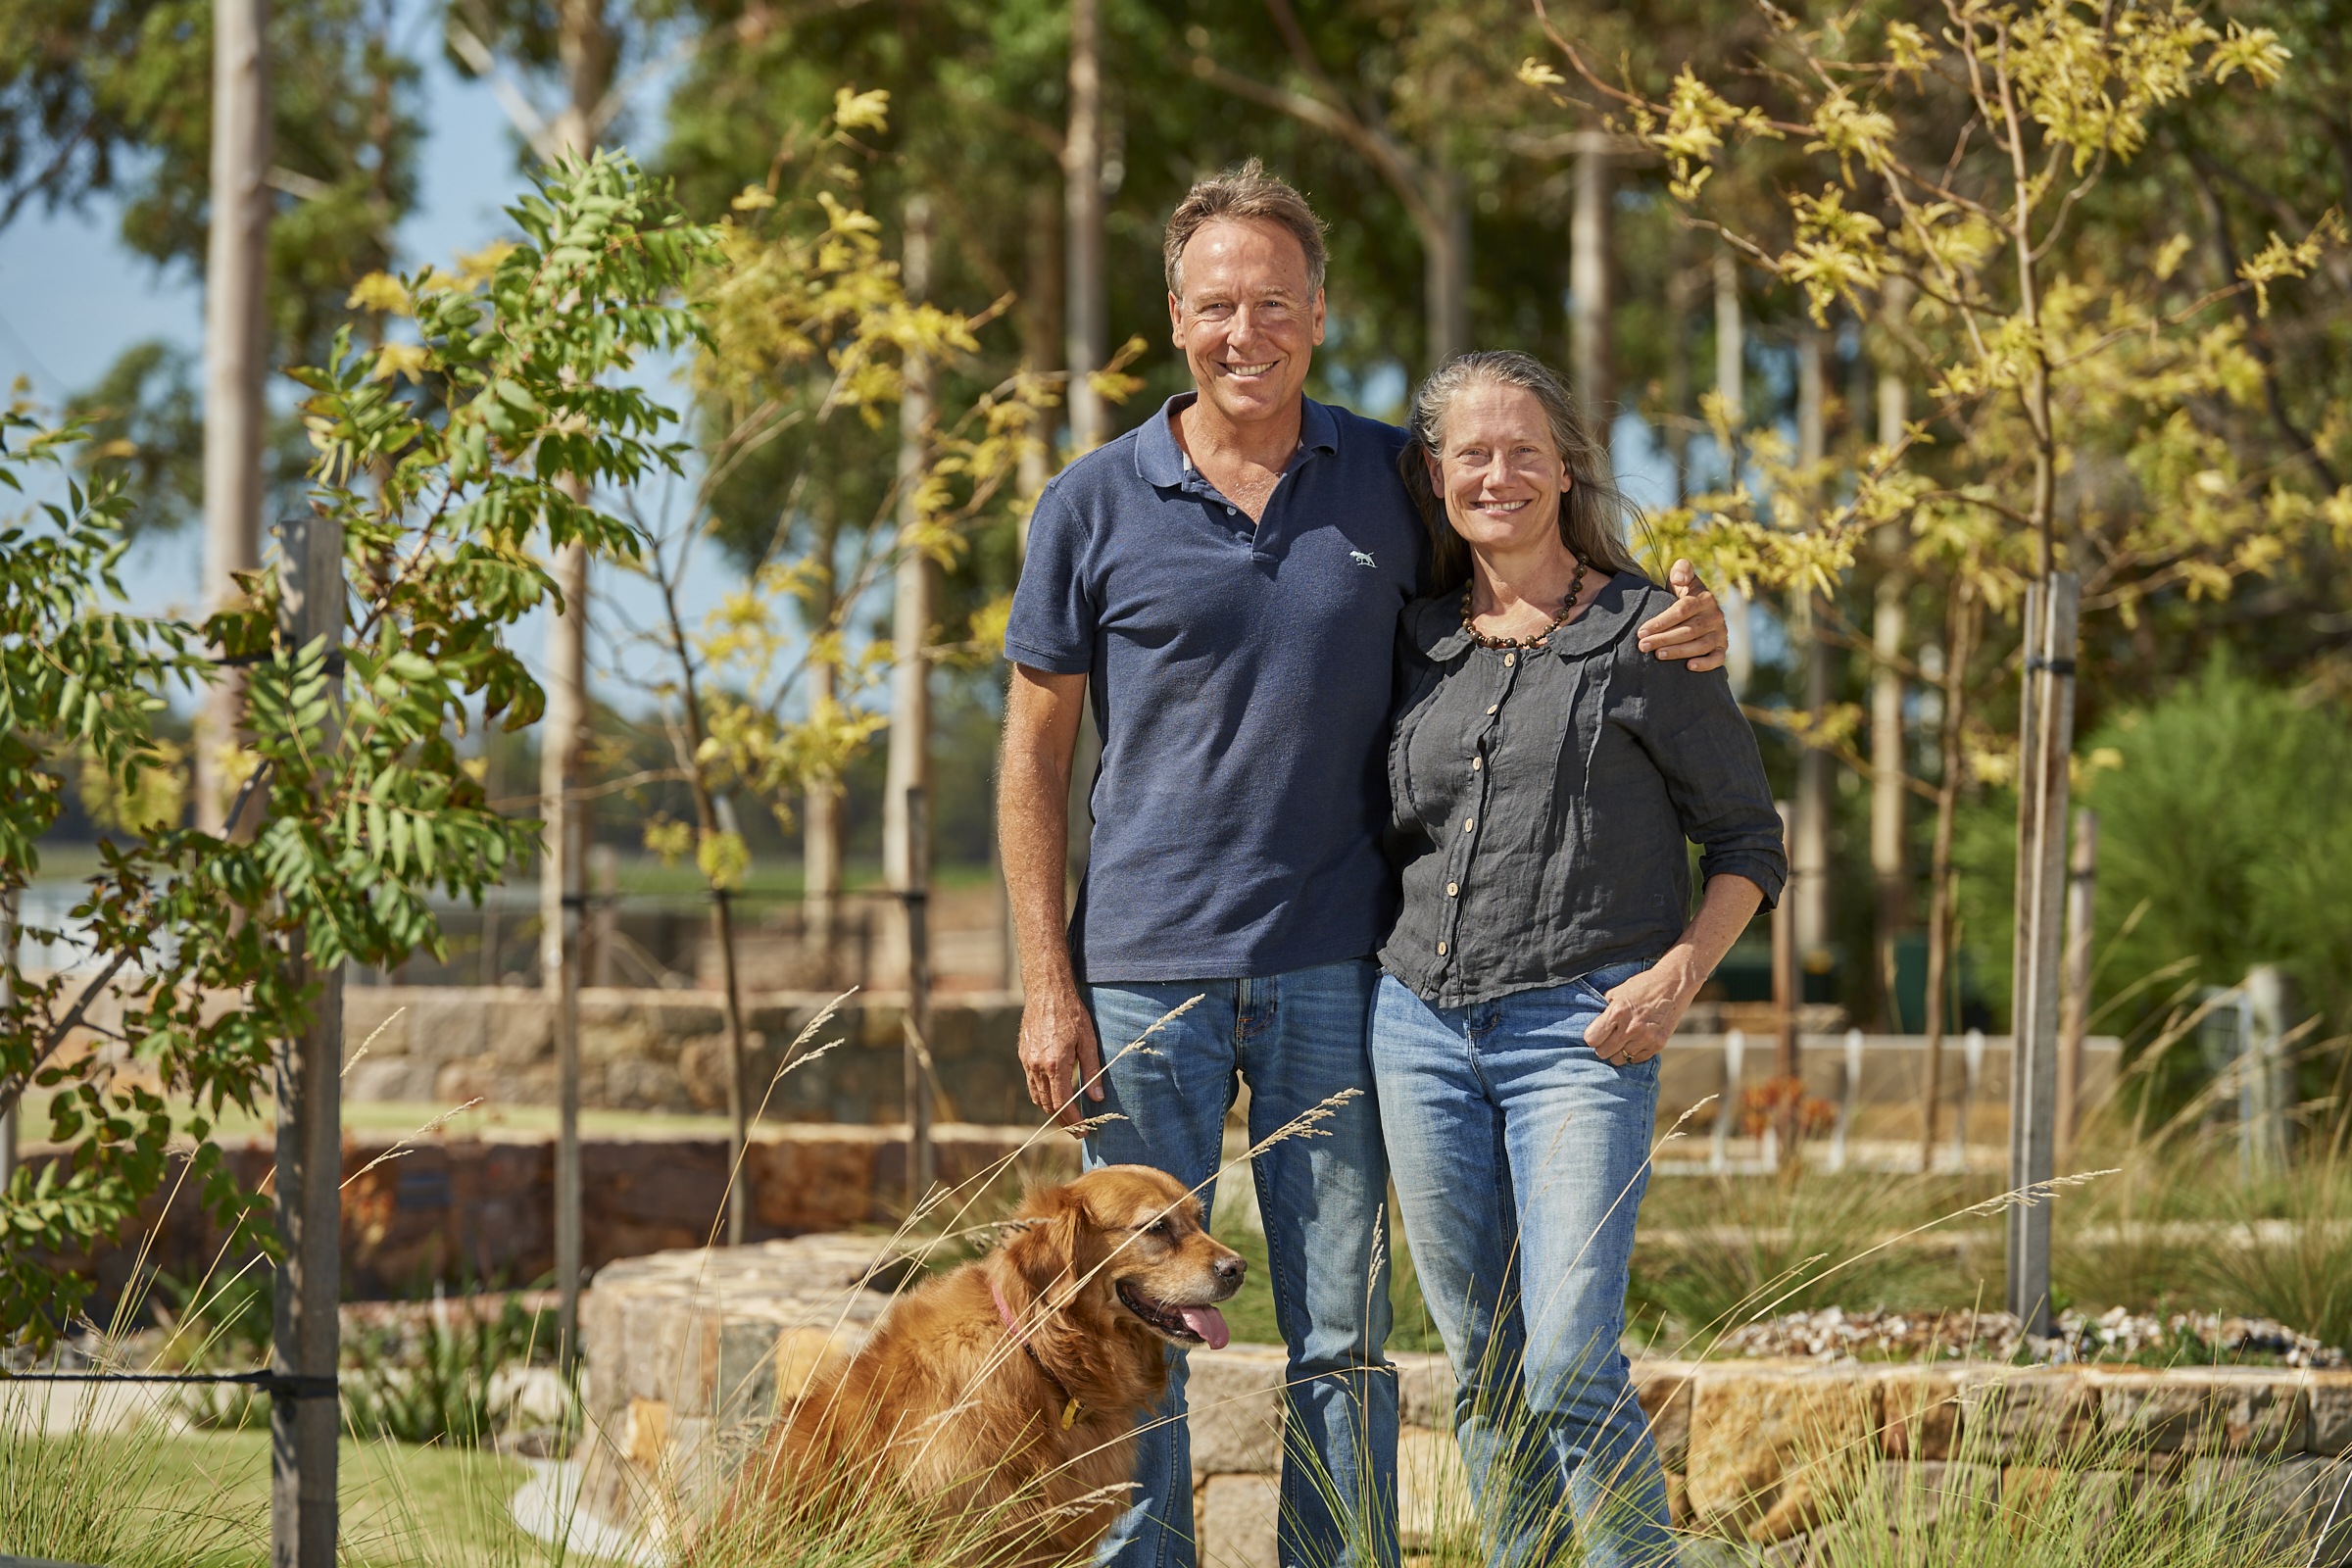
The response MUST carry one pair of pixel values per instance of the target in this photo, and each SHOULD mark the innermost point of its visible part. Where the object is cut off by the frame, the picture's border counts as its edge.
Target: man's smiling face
(1248, 320)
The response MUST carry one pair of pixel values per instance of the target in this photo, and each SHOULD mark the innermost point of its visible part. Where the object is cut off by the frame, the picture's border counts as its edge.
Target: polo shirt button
(1509, 660)
(1477, 763)
(1452, 888)
(1491, 710)
(1440, 950)
(1469, 822)
(1229, 512)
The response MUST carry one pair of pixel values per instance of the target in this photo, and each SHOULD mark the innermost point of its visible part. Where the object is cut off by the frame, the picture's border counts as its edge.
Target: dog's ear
(1045, 1249)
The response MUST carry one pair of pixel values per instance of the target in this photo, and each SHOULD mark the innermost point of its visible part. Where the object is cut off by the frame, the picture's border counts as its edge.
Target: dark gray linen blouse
(1540, 798)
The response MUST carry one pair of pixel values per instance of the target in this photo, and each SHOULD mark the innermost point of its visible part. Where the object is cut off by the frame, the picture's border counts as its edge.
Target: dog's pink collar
(1070, 1406)
(1005, 1312)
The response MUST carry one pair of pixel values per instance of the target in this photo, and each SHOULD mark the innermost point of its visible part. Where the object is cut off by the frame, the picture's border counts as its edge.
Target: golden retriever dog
(1001, 1399)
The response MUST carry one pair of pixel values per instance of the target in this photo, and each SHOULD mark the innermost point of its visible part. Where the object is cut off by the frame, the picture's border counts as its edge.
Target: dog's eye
(1158, 1227)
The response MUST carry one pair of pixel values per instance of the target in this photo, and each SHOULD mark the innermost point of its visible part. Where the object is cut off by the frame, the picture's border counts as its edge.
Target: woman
(1545, 775)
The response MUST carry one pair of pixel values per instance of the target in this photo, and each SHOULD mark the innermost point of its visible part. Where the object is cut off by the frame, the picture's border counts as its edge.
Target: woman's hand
(1641, 1016)
(1641, 1012)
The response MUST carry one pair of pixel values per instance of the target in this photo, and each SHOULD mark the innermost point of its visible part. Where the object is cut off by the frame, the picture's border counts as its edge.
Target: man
(1227, 579)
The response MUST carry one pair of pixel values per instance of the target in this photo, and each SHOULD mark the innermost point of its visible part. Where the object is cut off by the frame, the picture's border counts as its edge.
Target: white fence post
(1727, 1107)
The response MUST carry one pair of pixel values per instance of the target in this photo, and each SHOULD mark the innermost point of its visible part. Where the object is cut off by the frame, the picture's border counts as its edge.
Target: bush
(2221, 809)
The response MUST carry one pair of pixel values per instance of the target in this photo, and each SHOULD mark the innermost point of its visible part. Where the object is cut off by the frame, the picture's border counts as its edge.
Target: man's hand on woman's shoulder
(1692, 628)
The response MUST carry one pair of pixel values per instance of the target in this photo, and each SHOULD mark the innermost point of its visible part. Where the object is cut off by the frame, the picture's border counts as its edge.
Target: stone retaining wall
(466, 1209)
(689, 1352)
(666, 1050)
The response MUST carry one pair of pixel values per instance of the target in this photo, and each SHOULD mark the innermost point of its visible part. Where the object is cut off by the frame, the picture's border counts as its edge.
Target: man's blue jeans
(1520, 1160)
(1297, 1038)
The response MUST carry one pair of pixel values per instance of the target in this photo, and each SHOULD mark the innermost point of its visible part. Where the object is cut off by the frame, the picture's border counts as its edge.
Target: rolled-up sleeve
(1693, 729)
(1055, 614)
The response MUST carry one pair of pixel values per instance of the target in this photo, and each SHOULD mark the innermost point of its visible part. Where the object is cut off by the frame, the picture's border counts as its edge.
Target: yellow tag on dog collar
(1069, 1415)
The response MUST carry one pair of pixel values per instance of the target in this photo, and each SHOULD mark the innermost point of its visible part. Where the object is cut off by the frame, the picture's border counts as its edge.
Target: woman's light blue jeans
(1520, 1160)
(1297, 1039)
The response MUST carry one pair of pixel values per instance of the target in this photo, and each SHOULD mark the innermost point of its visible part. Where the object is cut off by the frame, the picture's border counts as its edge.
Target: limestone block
(635, 1083)
(702, 1066)
(2300, 1508)
(402, 1078)
(1237, 1521)
(457, 1082)
(1664, 1390)
(521, 1030)
(1434, 1504)
(645, 1439)
(378, 1018)
(623, 1036)
(1424, 1390)
(1232, 1402)
(2202, 1409)
(1773, 1450)
(449, 1024)
(2074, 1503)
(2327, 1397)
(805, 1354)
(2027, 1414)
(823, 1181)
(1921, 1409)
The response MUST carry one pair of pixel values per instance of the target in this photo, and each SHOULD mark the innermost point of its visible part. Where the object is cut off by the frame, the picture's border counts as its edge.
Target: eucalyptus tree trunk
(1960, 647)
(1087, 328)
(589, 52)
(237, 346)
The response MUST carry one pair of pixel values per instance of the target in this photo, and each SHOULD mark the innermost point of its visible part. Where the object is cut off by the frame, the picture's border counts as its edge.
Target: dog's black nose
(1232, 1268)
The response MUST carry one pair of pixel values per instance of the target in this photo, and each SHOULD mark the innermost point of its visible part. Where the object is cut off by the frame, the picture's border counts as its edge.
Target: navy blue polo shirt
(1241, 678)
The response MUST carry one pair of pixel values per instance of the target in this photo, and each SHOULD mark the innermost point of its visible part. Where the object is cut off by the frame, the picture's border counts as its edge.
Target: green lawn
(131, 1500)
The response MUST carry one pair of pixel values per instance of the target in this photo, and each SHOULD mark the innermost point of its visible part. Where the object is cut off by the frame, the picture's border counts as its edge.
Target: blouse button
(1477, 763)
(1490, 709)
(1509, 660)
(1440, 950)
(1452, 888)
(1469, 822)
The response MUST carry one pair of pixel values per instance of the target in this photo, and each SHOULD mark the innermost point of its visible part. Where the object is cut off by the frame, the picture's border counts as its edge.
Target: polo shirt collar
(1159, 460)
(1443, 636)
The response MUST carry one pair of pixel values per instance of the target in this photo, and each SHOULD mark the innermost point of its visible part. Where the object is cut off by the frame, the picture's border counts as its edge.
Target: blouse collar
(1439, 631)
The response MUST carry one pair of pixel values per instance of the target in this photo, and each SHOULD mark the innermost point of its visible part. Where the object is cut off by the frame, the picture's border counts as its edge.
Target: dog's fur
(944, 1406)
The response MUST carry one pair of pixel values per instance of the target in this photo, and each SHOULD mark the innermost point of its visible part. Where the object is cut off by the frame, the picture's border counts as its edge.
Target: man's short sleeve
(1054, 612)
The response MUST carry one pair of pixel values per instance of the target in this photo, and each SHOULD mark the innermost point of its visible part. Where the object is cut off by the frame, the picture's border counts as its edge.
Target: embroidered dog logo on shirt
(1361, 557)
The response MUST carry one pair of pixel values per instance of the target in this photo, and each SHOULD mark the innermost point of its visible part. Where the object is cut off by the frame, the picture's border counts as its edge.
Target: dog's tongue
(1208, 1323)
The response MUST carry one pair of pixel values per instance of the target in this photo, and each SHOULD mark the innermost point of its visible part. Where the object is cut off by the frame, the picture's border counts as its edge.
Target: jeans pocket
(1598, 983)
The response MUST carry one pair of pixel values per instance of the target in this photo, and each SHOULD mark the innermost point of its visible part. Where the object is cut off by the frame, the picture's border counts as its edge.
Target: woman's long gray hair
(1594, 514)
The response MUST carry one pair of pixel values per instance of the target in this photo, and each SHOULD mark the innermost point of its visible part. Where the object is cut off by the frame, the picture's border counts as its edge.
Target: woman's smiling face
(1498, 471)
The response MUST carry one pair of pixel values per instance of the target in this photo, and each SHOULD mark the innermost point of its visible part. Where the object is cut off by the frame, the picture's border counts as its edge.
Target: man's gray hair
(1243, 193)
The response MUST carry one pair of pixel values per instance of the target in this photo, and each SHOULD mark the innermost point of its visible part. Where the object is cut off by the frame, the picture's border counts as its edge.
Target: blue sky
(72, 298)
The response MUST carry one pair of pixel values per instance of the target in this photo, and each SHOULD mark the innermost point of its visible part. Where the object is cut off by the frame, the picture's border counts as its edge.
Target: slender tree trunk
(909, 760)
(1592, 366)
(1960, 648)
(1088, 331)
(1890, 853)
(823, 825)
(1889, 849)
(1042, 323)
(1682, 297)
(1731, 385)
(236, 350)
(589, 51)
(686, 740)
(1813, 765)
(1446, 265)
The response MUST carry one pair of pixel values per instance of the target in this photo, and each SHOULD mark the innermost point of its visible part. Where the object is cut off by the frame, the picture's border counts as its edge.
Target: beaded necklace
(1576, 589)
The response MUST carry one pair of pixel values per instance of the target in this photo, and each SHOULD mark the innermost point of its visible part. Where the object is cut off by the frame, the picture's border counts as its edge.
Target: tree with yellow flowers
(1941, 182)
